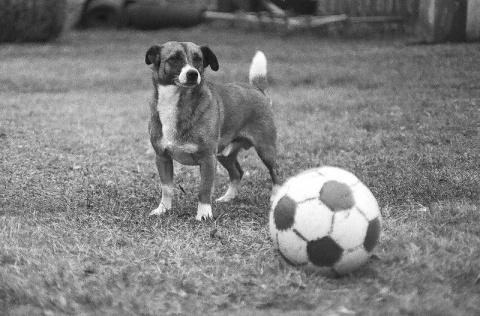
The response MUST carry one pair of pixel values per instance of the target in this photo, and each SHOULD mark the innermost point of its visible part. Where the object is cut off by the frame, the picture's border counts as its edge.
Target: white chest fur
(168, 97)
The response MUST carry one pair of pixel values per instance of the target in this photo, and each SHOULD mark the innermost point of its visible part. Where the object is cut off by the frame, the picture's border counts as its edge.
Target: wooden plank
(373, 7)
(435, 20)
(291, 23)
(473, 20)
(248, 17)
(401, 7)
(376, 19)
(272, 8)
(321, 21)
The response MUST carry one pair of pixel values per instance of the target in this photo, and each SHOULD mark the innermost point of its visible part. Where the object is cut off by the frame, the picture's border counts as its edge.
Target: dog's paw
(274, 193)
(161, 209)
(230, 194)
(204, 211)
(225, 198)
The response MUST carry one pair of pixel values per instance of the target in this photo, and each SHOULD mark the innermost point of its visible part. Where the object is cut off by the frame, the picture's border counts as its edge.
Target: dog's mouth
(184, 84)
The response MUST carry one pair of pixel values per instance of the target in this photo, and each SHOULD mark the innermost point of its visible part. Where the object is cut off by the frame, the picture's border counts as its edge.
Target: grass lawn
(77, 183)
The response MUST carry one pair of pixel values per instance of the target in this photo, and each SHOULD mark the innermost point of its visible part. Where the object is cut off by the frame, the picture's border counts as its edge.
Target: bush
(31, 20)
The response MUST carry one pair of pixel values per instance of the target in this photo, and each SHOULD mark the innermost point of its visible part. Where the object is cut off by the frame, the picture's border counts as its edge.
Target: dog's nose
(192, 75)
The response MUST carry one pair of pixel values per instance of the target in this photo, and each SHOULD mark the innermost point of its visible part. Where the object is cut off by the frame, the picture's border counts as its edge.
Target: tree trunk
(31, 20)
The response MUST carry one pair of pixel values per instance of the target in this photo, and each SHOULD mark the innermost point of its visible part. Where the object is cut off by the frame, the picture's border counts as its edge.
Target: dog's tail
(258, 71)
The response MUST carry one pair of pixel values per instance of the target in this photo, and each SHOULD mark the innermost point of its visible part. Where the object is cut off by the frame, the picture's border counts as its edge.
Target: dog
(195, 122)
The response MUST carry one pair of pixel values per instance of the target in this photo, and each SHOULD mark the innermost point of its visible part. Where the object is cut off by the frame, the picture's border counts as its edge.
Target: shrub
(31, 20)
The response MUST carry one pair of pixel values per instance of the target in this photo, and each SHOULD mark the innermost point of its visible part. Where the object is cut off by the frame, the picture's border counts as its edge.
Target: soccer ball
(325, 218)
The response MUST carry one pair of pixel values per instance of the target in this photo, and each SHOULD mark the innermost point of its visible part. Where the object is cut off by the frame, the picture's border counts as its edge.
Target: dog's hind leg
(228, 159)
(268, 154)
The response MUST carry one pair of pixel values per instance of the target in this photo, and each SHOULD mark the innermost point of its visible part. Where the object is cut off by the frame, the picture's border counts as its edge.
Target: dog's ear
(153, 55)
(209, 58)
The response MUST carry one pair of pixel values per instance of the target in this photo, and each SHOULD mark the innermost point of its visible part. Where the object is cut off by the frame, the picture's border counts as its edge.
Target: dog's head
(180, 63)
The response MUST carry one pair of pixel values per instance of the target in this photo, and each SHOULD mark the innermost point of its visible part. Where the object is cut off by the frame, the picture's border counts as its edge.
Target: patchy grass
(77, 183)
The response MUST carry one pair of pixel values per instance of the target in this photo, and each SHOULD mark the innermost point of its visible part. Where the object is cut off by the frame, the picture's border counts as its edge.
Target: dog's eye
(174, 58)
(197, 58)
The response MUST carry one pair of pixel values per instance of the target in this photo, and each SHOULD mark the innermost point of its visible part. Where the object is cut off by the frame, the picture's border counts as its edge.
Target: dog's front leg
(207, 177)
(165, 171)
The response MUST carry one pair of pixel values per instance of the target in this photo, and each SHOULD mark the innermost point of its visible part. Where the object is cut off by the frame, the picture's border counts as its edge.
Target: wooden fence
(369, 8)
(291, 15)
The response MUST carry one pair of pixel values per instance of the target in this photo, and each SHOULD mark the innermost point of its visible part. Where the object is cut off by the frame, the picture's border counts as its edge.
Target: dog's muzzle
(189, 76)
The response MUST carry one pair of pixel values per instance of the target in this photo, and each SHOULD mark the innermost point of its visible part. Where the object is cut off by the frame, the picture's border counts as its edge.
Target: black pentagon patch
(373, 234)
(284, 213)
(337, 196)
(324, 252)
